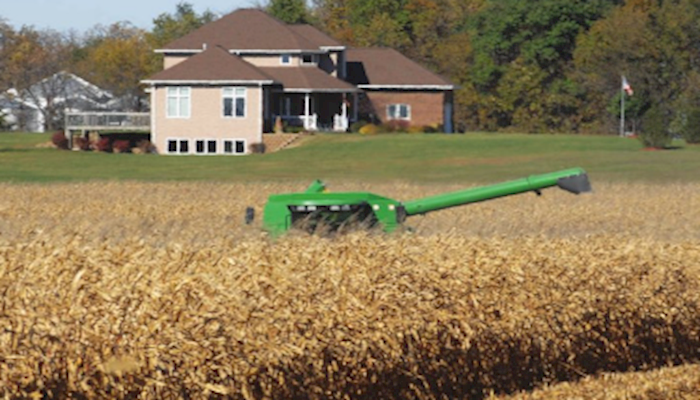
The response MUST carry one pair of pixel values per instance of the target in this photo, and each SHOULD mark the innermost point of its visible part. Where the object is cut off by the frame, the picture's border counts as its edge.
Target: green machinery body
(315, 207)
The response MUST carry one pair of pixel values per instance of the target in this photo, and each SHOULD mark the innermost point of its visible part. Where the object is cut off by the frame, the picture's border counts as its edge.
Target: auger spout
(573, 180)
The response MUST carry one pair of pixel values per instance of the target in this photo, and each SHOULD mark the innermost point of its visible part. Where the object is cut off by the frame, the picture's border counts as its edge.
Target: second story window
(309, 59)
(234, 102)
(286, 59)
(178, 104)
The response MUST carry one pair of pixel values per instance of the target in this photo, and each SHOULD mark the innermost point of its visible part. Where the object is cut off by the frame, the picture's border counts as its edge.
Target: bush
(396, 125)
(369, 129)
(145, 147)
(60, 140)
(655, 132)
(691, 128)
(258, 148)
(104, 144)
(357, 125)
(82, 143)
(121, 146)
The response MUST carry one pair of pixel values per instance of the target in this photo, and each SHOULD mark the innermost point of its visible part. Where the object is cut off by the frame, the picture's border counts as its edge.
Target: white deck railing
(108, 121)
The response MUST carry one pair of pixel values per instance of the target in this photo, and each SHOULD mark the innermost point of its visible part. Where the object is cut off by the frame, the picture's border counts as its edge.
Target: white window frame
(206, 147)
(397, 108)
(233, 146)
(287, 57)
(234, 93)
(178, 145)
(178, 94)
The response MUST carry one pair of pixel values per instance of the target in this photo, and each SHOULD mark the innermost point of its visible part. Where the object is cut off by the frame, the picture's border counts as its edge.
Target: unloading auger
(316, 208)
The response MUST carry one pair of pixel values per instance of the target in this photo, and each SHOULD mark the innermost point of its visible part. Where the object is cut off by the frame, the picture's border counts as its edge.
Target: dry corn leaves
(126, 290)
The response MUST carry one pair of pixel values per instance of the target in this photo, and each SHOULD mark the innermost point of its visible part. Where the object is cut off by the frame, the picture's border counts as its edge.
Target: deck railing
(108, 121)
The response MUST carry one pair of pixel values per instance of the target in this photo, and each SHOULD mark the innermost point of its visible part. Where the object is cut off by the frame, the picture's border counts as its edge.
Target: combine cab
(315, 209)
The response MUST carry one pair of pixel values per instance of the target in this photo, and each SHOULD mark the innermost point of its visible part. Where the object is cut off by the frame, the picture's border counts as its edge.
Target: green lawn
(474, 157)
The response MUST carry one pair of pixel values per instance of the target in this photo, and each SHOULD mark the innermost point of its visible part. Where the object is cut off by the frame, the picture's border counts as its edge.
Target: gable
(245, 29)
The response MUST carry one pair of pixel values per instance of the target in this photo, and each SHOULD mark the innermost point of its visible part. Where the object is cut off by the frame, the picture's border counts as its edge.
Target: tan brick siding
(426, 107)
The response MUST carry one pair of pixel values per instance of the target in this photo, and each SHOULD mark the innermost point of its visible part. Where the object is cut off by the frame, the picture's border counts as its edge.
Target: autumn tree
(31, 63)
(117, 59)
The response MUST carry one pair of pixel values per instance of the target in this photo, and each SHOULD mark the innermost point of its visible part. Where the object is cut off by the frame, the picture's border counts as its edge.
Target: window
(398, 111)
(234, 101)
(286, 59)
(178, 103)
(205, 146)
(309, 59)
(178, 146)
(234, 146)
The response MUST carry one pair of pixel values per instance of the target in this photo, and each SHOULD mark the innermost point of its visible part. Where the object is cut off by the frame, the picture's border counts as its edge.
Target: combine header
(317, 209)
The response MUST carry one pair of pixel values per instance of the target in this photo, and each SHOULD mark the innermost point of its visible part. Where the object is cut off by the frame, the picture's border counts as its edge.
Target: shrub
(691, 128)
(369, 129)
(104, 144)
(655, 132)
(145, 147)
(357, 125)
(121, 146)
(82, 143)
(258, 148)
(396, 125)
(416, 129)
(60, 140)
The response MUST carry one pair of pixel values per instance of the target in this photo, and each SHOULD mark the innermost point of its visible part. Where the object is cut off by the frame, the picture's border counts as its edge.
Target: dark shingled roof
(388, 67)
(315, 36)
(214, 64)
(246, 29)
(309, 78)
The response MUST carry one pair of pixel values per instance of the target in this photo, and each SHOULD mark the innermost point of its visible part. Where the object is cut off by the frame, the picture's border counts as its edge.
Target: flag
(626, 86)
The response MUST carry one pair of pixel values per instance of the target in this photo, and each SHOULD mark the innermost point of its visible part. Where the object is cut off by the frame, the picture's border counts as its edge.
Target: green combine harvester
(317, 210)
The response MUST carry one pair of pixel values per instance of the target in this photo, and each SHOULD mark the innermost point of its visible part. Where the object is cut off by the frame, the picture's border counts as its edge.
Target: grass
(476, 157)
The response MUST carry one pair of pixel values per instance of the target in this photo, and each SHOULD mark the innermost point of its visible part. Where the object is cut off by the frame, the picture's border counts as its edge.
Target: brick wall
(426, 107)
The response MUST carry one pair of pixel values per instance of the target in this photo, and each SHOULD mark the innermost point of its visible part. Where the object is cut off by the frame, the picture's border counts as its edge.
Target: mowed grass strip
(473, 157)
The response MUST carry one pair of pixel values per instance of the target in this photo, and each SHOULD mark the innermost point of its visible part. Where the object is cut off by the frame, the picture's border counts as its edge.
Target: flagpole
(622, 107)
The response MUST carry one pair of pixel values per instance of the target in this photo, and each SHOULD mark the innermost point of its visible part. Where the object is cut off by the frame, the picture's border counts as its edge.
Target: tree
(168, 27)
(289, 11)
(31, 59)
(117, 59)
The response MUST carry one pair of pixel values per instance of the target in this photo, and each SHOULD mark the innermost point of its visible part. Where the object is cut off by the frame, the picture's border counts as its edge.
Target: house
(226, 84)
(43, 105)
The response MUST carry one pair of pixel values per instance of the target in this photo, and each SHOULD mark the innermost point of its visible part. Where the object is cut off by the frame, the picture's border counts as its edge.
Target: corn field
(159, 290)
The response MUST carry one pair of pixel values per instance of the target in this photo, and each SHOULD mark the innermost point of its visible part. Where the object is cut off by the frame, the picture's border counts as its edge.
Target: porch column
(306, 111)
(355, 106)
(344, 109)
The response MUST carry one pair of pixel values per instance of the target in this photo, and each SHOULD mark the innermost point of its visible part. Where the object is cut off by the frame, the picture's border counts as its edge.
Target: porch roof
(307, 79)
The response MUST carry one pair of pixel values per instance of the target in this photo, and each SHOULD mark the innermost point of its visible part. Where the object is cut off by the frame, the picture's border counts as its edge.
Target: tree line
(526, 66)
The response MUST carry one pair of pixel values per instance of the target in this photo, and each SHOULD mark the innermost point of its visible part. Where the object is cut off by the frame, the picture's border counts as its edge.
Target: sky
(81, 15)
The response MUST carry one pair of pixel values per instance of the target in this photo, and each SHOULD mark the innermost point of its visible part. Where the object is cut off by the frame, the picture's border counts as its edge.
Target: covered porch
(312, 111)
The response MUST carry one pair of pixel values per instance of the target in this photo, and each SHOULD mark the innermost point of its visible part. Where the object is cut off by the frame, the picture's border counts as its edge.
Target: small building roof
(307, 79)
(247, 29)
(385, 68)
(214, 65)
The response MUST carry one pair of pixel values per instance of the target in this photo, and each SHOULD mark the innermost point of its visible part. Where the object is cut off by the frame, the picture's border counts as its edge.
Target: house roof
(248, 29)
(385, 68)
(307, 79)
(214, 65)
(315, 36)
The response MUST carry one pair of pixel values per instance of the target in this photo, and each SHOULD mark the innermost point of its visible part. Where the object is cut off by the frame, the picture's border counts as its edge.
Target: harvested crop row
(361, 317)
(123, 290)
(665, 383)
